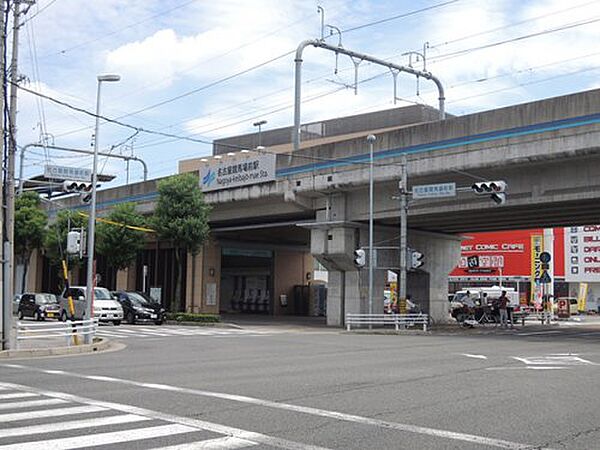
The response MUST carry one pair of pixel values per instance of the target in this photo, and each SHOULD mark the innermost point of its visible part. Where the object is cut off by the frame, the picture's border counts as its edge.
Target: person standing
(503, 308)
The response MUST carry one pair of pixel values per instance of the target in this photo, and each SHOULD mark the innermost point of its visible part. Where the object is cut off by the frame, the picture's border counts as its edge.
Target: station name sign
(241, 169)
(582, 253)
(67, 173)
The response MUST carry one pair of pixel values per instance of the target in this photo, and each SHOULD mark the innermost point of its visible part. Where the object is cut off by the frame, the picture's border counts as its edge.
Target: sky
(201, 70)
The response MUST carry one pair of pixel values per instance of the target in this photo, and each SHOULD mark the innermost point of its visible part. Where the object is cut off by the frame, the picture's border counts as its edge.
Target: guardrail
(400, 321)
(45, 330)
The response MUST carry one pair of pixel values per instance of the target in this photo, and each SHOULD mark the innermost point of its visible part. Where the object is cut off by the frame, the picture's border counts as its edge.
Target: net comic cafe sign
(241, 169)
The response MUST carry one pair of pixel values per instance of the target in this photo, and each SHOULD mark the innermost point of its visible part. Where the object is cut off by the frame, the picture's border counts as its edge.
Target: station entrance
(267, 270)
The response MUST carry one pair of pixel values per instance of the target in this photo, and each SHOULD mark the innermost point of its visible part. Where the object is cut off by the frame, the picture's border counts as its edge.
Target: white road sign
(434, 190)
(67, 173)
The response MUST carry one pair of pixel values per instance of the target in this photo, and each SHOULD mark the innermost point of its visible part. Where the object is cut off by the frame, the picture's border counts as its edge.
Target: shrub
(194, 317)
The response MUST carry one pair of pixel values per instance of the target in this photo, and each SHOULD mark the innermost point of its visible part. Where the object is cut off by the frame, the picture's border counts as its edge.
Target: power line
(511, 25)
(41, 10)
(399, 16)
(515, 39)
(119, 30)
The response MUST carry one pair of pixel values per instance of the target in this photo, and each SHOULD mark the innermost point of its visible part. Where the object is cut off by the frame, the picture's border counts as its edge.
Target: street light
(259, 124)
(371, 140)
(92, 222)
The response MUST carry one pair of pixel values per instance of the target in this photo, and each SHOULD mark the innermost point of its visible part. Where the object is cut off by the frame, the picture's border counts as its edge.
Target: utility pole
(9, 182)
(403, 185)
(371, 140)
(5, 320)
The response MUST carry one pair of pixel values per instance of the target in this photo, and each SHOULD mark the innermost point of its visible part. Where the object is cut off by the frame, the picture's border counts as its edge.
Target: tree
(181, 216)
(30, 228)
(117, 243)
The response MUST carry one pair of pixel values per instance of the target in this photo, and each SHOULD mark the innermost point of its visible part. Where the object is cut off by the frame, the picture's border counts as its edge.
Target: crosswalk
(33, 419)
(166, 331)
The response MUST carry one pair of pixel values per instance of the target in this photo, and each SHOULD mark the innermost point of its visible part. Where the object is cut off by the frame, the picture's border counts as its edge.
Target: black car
(139, 307)
(39, 306)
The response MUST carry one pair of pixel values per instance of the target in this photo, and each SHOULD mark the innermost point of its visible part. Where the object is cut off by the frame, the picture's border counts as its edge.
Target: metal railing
(70, 331)
(400, 321)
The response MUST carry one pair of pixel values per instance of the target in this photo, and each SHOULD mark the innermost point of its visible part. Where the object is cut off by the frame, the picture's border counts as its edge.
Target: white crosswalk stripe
(100, 423)
(136, 331)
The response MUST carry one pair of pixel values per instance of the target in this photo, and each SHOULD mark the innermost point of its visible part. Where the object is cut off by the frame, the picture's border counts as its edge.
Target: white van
(481, 296)
(106, 308)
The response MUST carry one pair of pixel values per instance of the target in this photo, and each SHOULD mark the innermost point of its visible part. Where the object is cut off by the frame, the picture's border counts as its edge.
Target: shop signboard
(564, 308)
(582, 254)
(240, 169)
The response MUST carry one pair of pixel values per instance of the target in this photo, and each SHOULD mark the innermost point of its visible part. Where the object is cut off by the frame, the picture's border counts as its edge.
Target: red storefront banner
(505, 253)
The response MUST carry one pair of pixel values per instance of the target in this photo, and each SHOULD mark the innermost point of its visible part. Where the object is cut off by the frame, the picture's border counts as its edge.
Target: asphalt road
(273, 387)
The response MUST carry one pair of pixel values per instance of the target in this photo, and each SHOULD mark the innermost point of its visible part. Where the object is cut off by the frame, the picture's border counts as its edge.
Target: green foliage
(181, 216)
(30, 225)
(193, 317)
(121, 245)
(56, 237)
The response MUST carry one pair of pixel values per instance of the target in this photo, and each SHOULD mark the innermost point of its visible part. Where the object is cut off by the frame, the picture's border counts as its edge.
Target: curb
(203, 324)
(101, 345)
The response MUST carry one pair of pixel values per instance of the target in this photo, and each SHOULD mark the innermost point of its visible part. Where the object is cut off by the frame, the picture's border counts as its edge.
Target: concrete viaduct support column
(429, 286)
(347, 287)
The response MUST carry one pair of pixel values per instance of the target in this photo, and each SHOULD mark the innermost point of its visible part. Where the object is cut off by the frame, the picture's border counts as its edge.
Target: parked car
(38, 306)
(106, 308)
(139, 307)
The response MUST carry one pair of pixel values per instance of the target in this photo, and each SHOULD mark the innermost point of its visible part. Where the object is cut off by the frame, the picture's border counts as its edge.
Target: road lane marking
(15, 417)
(98, 405)
(74, 425)
(446, 434)
(17, 395)
(226, 443)
(111, 437)
(550, 360)
(534, 333)
(45, 402)
(468, 355)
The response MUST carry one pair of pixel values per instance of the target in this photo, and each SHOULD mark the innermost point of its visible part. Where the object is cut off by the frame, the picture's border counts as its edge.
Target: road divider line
(74, 425)
(446, 434)
(98, 405)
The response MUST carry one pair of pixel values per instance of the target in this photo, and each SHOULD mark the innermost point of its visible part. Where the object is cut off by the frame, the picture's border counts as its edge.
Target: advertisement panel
(582, 254)
(240, 169)
(537, 244)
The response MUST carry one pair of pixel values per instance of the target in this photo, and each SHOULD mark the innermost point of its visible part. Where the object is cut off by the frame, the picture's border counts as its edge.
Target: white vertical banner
(549, 248)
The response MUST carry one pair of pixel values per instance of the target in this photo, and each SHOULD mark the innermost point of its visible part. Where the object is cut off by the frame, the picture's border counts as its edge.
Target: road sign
(545, 259)
(434, 190)
(67, 173)
(545, 278)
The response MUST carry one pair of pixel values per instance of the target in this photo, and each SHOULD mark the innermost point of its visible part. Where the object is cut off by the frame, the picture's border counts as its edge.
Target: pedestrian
(503, 308)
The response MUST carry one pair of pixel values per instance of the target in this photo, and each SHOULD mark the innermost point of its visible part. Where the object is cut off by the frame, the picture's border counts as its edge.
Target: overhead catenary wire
(217, 82)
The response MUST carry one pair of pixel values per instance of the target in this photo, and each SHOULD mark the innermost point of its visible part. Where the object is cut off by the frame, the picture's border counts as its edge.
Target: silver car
(106, 308)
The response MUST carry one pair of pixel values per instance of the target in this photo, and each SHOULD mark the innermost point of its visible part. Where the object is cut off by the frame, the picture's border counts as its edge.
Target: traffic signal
(495, 189)
(78, 187)
(360, 257)
(416, 259)
(73, 242)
